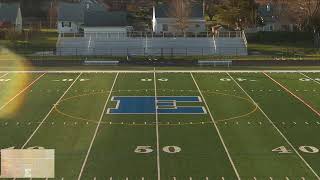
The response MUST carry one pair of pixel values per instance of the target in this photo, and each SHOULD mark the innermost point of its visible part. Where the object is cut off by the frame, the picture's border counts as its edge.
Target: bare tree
(210, 6)
(304, 12)
(53, 13)
(180, 11)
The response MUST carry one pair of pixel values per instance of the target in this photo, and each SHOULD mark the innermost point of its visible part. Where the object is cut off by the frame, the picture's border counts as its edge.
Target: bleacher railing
(244, 39)
(195, 51)
(146, 34)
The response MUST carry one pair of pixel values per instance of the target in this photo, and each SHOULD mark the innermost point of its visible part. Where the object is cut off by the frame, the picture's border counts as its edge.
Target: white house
(10, 16)
(269, 15)
(70, 17)
(92, 19)
(162, 21)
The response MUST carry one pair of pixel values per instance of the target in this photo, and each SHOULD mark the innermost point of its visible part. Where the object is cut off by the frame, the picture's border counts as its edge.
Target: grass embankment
(31, 42)
(283, 44)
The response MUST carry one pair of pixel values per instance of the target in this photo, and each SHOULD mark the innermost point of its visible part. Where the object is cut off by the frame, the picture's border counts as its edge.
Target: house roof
(76, 11)
(9, 12)
(163, 10)
(103, 18)
(91, 13)
(71, 12)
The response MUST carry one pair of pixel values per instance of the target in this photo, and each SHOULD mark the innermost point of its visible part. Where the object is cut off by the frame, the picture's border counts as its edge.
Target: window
(165, 27)
(268, 7)
(66, 24)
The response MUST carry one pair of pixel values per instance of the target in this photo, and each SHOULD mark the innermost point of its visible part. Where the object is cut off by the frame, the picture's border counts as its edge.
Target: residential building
(70, 17)
(101, 24)
(272, 18)
(91, 18)
(164, 21)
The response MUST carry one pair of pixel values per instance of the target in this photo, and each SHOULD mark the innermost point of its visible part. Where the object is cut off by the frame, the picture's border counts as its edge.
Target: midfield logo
(161, 105)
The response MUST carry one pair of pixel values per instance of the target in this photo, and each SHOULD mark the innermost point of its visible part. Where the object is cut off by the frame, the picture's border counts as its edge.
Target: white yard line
(167, 71)
(309, 77)
(53, 107)
(97, 128)
(217, 129)
(20, 92)
(157, 124)
(4, 75)
(271, 122)
(294, 95)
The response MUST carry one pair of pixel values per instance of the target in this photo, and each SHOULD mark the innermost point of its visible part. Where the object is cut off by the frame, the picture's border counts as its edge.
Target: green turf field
(254, 125)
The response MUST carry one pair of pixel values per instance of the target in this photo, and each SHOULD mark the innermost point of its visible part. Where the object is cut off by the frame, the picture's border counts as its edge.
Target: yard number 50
(148, 149)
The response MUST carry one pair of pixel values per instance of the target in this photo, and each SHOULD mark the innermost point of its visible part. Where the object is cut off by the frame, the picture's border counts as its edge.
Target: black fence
(162, 62)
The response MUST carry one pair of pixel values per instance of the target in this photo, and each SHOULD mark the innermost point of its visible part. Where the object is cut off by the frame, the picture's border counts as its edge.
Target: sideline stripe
(24, 89)
(167, 71)
(217, 129)
(97, 128)
(53, 107)
(297, 97)
(309, 78)
(157, 124)
(271, 122)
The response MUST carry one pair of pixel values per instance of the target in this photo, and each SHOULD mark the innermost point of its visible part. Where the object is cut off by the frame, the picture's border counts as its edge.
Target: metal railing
(230, 34)
(244, 39)
(196, 51)
(146, 34)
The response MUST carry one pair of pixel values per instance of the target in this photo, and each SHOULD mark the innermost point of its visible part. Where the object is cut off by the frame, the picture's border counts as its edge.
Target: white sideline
(167, 71)
(157, 124)
(216, 127)
(271, 122)
(97, 128)
(34, 132)
(20, 92)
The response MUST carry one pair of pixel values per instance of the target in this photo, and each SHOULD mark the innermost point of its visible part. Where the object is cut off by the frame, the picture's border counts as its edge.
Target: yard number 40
(305, 149)
(148, 149)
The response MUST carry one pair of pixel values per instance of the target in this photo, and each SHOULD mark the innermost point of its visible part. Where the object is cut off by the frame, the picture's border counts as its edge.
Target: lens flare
(12, 85)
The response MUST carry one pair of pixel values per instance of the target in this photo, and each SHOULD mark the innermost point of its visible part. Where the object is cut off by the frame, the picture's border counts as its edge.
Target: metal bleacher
(228, 43)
